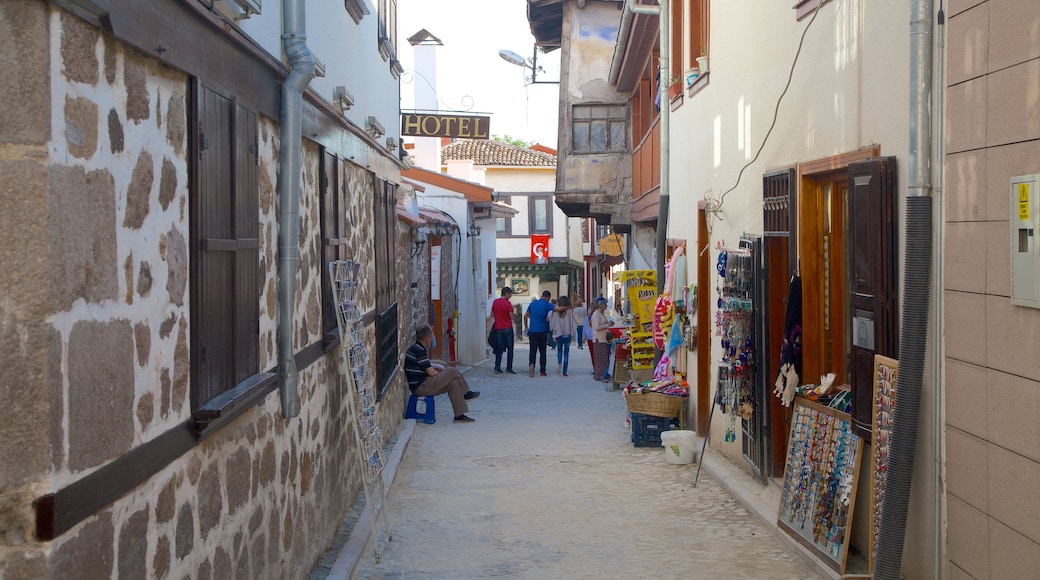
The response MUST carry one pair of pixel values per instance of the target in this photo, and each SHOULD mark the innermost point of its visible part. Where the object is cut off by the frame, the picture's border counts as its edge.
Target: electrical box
(1025, 227)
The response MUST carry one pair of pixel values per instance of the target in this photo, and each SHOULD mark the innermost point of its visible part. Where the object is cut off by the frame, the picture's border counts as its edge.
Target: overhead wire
(715, 208)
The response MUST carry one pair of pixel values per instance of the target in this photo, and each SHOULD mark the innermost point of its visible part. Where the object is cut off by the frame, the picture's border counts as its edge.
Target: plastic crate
(647, 429)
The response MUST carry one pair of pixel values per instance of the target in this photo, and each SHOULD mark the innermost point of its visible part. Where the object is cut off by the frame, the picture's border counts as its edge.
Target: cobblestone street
(547, 484)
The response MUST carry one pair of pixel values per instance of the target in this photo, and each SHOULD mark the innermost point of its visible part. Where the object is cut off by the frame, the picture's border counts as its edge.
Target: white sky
(473, 31)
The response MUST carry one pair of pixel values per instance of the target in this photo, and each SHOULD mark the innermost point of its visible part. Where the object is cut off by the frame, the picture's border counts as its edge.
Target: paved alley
(546, 484)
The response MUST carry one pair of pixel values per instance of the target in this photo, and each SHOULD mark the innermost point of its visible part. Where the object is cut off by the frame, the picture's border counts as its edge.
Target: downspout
(940, 348)
(664, 23)
(301, 71)
(913, 338)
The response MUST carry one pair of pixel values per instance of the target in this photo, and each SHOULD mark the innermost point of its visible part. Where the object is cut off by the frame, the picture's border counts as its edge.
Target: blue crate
(647, 429)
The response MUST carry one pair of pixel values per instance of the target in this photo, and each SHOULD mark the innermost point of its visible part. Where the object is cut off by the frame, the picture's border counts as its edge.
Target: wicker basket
(656, 404)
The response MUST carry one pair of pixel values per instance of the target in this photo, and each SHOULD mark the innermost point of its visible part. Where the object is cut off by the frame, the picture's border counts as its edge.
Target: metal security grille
(778, 203)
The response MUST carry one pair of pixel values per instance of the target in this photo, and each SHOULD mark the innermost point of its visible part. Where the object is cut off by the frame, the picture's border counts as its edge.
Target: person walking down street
(580, 314)
(502, 310)
(600, 340)
(425, 379)
(549, 338)
(537, 319)
(564, 328)
(587, 335)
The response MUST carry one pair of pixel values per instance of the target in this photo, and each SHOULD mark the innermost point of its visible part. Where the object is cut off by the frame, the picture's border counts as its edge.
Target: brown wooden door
(872, 279)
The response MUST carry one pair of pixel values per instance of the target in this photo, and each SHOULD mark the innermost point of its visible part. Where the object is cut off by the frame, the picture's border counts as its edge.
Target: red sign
(540, 249)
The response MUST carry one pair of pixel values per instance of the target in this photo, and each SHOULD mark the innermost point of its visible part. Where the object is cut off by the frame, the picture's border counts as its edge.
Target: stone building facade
(105, 470)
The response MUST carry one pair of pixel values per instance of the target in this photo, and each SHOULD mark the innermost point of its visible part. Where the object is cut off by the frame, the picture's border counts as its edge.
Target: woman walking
(564, 328)
(600, 341)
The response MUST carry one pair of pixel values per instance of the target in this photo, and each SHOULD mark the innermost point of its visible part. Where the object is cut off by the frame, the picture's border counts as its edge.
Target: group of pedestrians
(561, 323)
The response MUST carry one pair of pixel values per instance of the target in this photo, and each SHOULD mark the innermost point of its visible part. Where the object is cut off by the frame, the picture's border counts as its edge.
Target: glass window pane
(581, 112)
(500, 224)
(598, 136)
(580, 138)
(617, 136)
(617, 112)
(541, 217)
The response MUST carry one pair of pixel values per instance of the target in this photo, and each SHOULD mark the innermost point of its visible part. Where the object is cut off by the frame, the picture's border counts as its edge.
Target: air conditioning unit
(237, 9)
(374, 128)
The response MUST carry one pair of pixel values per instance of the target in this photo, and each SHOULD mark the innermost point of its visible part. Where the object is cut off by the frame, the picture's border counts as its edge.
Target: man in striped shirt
(426, 379)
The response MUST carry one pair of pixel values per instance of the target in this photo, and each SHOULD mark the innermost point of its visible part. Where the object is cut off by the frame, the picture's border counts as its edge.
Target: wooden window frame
(612, 147)
(387, 29)
(507, 231)
(532, 201)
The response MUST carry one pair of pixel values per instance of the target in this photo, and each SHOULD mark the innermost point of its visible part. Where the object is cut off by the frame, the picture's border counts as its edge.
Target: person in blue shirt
(537, 319)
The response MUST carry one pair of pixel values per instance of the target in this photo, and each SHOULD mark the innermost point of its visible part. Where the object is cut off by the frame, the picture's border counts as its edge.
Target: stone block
(25, 62)
(101, 392)
(82, 237)
(87, 553)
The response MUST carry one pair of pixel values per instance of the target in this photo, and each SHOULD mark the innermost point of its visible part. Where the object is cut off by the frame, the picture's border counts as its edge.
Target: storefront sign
(612, 245)
(458, 126)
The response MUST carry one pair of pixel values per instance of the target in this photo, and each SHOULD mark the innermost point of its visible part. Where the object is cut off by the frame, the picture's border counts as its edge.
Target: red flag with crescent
(539, 249)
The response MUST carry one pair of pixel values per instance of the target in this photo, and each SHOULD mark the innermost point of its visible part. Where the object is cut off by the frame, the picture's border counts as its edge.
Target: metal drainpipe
(913, 338)
(938, 368)
(664, 22)
(301, 71)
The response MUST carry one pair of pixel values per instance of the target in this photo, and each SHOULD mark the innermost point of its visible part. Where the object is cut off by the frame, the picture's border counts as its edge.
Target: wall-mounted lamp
(419, 245)
(473, 231)
(342, 100)
(374, 128)
(527, 63)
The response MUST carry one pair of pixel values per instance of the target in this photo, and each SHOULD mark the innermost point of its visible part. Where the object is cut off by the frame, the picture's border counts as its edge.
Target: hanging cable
(714, 208)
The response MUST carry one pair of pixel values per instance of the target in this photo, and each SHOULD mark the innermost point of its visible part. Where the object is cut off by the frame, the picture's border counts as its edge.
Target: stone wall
(95, 327)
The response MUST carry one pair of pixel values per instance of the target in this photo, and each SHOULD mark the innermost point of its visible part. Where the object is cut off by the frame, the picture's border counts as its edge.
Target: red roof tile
(494, 153)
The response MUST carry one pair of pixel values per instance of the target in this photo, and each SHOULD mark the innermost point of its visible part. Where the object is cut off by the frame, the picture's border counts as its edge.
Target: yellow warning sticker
(1023, 201)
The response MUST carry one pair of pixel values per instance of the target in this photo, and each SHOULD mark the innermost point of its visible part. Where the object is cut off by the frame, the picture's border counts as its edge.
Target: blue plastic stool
(429, 417)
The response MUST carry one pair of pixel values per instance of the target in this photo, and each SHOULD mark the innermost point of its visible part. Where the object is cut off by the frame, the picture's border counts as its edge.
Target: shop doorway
(848, 263)
(779, 244)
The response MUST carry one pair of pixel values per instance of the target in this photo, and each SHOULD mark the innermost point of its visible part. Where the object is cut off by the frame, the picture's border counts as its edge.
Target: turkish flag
(540, 249)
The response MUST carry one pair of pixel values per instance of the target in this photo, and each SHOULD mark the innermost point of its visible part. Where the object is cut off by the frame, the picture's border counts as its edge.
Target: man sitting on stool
(425, 380)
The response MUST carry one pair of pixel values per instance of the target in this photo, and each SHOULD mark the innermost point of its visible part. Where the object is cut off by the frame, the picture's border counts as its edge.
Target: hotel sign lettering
(458, 126)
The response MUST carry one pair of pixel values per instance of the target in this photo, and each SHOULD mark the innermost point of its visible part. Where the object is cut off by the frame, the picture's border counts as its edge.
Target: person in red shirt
(502, 328)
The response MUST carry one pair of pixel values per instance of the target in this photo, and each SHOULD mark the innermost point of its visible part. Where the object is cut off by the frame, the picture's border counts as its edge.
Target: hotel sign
(458, 126)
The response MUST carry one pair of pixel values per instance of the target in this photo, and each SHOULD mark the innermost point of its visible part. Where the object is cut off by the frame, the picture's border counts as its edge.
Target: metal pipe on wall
(913, 338)
(290, 154)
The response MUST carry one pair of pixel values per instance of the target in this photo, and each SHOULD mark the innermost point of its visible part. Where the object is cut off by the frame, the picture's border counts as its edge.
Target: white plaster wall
(349, 53)
(849, 90)
(471, 299)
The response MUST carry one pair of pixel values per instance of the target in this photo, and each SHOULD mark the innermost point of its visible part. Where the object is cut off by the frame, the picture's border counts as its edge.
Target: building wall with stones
(95, 328)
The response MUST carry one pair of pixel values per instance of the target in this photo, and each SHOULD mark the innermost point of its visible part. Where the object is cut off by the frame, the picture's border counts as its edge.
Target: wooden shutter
(213, 310)
(246, 252)
(226, 319)
(872, 275)
(332, 231)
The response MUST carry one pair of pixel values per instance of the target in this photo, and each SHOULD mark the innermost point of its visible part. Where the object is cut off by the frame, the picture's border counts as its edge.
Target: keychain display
(734, 325)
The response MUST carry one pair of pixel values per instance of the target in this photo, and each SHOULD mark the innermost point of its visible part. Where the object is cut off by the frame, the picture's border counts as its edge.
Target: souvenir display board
(819, 495)
(734, 324)
(886, 371)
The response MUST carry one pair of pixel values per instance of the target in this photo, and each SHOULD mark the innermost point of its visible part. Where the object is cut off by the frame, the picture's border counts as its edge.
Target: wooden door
(872, 279)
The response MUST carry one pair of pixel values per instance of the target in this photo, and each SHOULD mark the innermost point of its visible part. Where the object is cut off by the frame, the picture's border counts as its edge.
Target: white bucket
(679, 446)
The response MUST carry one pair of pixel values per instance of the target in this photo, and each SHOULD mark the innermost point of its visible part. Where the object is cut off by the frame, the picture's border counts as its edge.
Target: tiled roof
(493, 153)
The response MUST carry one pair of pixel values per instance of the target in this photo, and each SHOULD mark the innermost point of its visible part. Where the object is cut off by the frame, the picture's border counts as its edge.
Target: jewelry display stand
(361, 395)
(886, 373)
(819, 496)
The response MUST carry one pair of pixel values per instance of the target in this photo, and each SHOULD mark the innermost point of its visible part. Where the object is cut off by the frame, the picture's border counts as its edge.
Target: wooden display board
(820, 480)
(886, 371)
